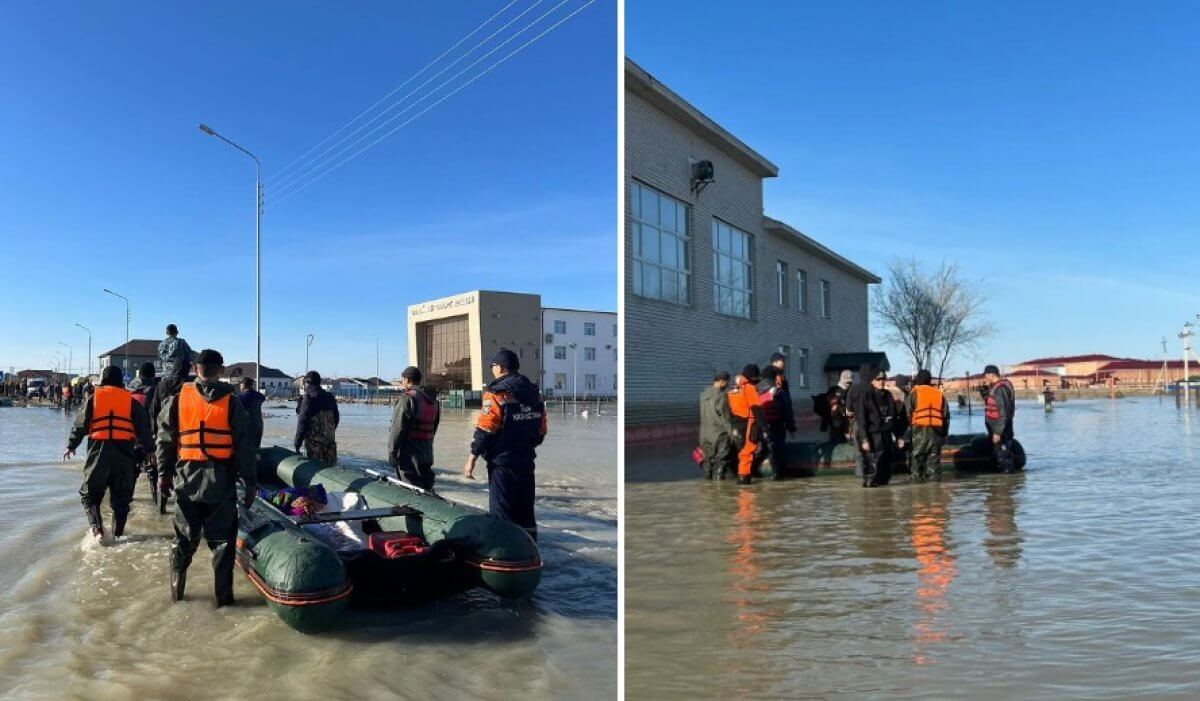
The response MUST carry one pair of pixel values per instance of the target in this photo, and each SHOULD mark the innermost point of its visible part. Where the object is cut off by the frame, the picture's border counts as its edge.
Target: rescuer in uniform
(749, 433)
(414, 423)
(118, 431)
(205, 444)
(715, 420)
(783, 397)
(317, 419)
(874, 413)
(928, 425)
(999, 407)
(252, 400)
(510, 427)
(144, 386)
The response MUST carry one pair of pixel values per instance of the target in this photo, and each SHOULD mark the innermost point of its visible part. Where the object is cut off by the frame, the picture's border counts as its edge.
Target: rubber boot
(223, 556)
(178, 581)
(94, 520)
(744, 479)
(119, 524)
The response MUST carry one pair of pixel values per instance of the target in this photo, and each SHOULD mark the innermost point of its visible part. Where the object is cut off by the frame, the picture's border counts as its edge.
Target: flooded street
(1079, 578)
(89, 622)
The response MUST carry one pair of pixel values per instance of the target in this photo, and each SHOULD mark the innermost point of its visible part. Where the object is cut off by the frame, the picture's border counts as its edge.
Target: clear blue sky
(105, 180)
(1052, 150)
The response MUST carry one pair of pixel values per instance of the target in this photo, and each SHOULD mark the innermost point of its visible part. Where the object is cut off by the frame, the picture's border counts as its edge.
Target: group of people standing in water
(745, 422)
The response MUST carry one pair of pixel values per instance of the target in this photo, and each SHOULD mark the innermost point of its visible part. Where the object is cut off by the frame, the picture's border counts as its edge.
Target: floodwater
(1079, 578)
(81, 621)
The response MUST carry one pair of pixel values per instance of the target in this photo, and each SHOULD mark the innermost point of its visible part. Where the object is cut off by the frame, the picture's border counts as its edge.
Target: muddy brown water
(80, 621)
(1079, 578)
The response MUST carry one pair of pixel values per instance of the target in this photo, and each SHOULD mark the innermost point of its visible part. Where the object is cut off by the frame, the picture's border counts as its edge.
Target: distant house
(141, 350)
(272, 382)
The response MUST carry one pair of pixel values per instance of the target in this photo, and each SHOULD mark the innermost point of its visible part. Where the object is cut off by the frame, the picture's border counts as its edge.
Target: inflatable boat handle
(359, 515)
(392, 480)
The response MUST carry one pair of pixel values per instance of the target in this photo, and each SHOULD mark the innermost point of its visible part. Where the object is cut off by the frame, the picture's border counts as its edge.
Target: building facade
(141, 350)
(710, 282)
(579, 353)
(272, 383)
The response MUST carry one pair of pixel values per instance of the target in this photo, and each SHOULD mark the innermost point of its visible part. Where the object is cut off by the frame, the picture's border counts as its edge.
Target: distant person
(119, 437)
(716, 444)
(174, 353)
(929, 424)
(874, 413)
(317, 421)
(749, 433)
(508, 432)
(999, 407)
(414, 424)
(252, 400)
(66, 395)
(204, 447)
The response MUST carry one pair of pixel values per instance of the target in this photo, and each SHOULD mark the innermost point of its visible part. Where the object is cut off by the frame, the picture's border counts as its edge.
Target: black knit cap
(411, 372)
(312, 377)
(924, 377)
(778, 356)
(506, 359)
(721, 375)
(991, 370)
(208, 356)
(111, 376)
(770, 372)
(750, 372)
(146, 370)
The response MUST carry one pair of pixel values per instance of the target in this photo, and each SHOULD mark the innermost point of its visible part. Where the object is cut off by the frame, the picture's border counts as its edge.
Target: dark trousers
(778, 438)
(117, 480)
(925, 453)
(1004, 455)
(877, 462)
(218, 524)
(415, 472)
(719, 458)
(511, 494)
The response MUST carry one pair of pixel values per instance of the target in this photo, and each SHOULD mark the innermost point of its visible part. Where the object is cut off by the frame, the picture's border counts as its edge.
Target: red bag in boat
(698, 456)
(393, 544)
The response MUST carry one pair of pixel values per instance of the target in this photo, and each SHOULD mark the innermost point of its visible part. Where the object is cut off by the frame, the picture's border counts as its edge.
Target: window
(560, 326)
(589, 353)
(826, 300)
(614, 355)
(560, 352)
(589, 328)
(802, 291)
(660, 245)
(732, 270)
(614, 382)
(560, 380)
(614, 330)
(589, 383)
(802, 367)
(781, 280)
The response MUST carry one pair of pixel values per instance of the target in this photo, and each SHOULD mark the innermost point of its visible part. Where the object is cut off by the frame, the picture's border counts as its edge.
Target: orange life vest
(204, 429)
(112, 415)
(425, 414)
(927, 411)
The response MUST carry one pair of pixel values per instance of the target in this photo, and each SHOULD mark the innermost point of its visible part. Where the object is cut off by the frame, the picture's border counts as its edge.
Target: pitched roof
(247, 370)
(1069, 359)
(137, 346)
(819, 250)
(1134, 364)
(852, 361)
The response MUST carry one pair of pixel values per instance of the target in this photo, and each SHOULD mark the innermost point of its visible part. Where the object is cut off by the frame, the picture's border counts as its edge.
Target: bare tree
(932, 315)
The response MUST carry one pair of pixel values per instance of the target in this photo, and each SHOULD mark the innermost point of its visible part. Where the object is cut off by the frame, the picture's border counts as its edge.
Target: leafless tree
(932, 315)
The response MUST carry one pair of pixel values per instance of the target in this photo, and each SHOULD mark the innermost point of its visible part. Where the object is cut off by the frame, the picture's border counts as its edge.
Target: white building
(579, 353)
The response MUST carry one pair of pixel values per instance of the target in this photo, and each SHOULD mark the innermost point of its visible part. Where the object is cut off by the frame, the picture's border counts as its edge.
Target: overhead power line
(282, 195)
(395, 90)
(313, 167)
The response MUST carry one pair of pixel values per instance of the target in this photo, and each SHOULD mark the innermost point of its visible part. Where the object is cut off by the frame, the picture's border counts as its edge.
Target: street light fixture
(258, 210)
(308, 341)
(114, 294)
(89, 331)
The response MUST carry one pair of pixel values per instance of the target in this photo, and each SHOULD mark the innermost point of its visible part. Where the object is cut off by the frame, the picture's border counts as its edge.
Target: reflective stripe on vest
(990, 411)
(927, 410)
(204, 429)
(112, 415)
(424, 414)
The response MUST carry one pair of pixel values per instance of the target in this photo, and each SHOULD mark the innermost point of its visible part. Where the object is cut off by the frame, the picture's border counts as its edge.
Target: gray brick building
(710, 282)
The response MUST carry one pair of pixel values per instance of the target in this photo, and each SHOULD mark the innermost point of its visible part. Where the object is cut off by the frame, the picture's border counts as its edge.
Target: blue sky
(105, 180)
(1051, 150)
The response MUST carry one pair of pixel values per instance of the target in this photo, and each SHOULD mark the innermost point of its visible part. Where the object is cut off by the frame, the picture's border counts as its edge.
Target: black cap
(721, 375)
(991, 370)
(411, 372)
(111, 376)
(750, 372)
(146, 370)
(770, 372)
(778, 356)
(208, 356)
(312, 377)
(506, 359)
(924, 377)
(171, 330)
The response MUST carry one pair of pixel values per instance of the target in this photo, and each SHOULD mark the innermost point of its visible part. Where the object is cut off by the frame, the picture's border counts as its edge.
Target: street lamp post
(376, 366)
(114, 294)
(258, 210)
(89, 332)
(575, 372)
(307, 344)
(70, 358)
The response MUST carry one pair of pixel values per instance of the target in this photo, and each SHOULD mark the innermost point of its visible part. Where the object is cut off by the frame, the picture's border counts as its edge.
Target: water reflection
(936, 569)
(1003, 542)
(747, 586)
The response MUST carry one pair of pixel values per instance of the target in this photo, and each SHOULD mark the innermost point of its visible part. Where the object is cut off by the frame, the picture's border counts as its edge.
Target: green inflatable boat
(398, 545)
(971, 452)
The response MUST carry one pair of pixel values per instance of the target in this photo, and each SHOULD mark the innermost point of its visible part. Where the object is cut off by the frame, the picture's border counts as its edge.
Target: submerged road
(1079, 578)
(90, 622)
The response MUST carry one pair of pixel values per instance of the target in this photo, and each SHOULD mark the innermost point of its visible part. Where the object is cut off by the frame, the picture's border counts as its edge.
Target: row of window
(589, 328)
(661, 259)
(589, 353)
(589, 382)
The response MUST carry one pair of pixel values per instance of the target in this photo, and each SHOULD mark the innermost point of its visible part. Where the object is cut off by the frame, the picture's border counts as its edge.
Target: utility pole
(308, 340)
(1166, 377)
(114, 294)
(70, 358)
(574, 372)
(1185, 335)
(376, 395)
(258, 211)
(89, 332)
